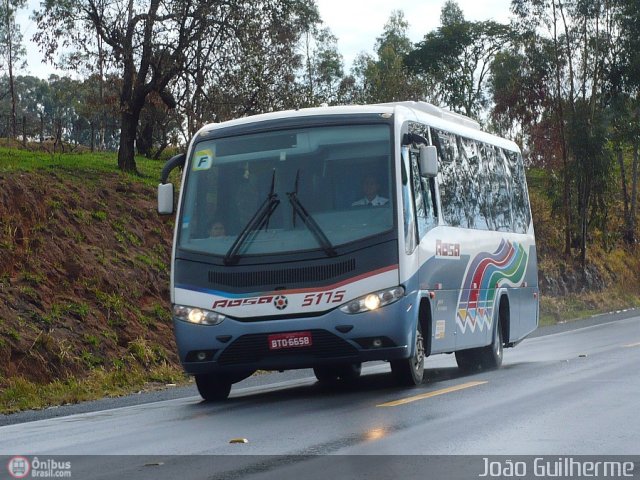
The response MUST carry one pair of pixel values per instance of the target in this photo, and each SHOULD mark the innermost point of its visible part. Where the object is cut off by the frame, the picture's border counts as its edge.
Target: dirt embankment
(83, 275)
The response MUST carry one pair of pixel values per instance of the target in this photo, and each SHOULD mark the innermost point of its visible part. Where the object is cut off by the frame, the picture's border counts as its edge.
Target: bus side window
(429, 189)
(502, 193)
(408, 206)
(425, 209)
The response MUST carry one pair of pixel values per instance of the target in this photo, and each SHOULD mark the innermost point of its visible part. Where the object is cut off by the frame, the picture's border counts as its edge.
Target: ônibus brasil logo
(19, 467)
(280, 302)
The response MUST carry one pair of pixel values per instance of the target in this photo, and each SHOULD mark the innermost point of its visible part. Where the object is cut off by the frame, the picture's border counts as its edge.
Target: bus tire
(468, 360)
(491, 356)
(212, 387)
(332, 373)
(485, 358)
(410, 371)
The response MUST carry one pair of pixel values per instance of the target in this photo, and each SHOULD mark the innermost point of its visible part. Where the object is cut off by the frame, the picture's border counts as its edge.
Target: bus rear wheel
(212, 387)
(485, 358)
(491, 355)
(410, 372)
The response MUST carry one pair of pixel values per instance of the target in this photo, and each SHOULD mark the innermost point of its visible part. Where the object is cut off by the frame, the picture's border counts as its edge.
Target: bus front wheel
(410, 371)
(212, 387)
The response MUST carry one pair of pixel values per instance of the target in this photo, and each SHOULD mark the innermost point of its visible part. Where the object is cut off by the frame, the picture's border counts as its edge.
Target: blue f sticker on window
(202, 160)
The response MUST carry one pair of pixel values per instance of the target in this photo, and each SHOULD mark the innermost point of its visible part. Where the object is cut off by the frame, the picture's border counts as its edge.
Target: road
(570, 393)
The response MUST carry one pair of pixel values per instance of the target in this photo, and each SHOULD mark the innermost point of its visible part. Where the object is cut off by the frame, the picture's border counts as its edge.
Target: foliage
(323, 68)
(562, 84)
(252, 72)
(456, 58)
(385, 77)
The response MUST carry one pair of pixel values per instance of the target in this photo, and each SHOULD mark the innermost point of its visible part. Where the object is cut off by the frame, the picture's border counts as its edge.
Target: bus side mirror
(165, 198)
(428, 160)
(165, 189)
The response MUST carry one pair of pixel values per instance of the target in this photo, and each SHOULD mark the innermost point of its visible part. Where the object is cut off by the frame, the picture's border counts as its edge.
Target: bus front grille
(254, 348)
(284, 276)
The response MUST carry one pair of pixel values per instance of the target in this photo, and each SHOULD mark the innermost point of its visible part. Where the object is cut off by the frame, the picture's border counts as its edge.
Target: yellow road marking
(633, 345)
(435, 393)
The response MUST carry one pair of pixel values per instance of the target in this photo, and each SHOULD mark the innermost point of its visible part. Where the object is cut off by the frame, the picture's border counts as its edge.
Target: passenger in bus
(370, 190)
(217, 230)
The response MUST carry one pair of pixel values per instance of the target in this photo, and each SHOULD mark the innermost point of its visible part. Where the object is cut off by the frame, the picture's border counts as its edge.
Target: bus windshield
(288, 190)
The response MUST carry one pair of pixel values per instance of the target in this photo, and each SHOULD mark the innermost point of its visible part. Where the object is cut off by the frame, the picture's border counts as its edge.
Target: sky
(356, 23)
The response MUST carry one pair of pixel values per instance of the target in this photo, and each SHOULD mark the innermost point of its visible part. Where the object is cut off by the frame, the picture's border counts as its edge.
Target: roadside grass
(618, 272)
(577, 306)
(18, 394)
(22, 160)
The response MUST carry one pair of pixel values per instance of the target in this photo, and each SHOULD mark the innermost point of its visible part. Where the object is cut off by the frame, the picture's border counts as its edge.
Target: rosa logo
(280, 302)
(19, 467)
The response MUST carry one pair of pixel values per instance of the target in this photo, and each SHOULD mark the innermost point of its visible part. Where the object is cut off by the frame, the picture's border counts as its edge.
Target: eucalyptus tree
(12, 50)
(624, 90)
(581, 35)
(254, 71)
(521, 91)
(456, 59)
(384, 77)
(323, 68)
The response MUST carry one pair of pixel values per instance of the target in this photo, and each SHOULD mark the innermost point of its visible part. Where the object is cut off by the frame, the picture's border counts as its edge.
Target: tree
(11, 49)
(323, 69)
(385, 77)
(623, 86)
(456, 59)
(581, 39)
(521, 89)
(149, 43)
(255, 72)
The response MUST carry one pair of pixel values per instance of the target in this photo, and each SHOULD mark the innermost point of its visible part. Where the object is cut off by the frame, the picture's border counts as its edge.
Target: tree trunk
(566, 194)
(126, 150)
(14, 129)
(103, 120)
(145, 139)
(58, 134)
(584, 219)
(634, 187)
(628, 234)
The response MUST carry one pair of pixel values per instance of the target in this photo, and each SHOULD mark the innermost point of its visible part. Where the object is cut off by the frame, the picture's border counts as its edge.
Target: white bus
(327, 237)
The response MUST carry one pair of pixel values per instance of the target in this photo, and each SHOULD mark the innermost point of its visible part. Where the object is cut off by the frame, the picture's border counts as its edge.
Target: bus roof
(418, 111)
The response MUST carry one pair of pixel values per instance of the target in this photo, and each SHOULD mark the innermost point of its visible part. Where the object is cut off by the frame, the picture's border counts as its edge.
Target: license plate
(279, 341)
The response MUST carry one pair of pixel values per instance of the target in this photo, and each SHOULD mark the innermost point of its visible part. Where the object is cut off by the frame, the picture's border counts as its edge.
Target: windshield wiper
(260, 219)
(308, 220)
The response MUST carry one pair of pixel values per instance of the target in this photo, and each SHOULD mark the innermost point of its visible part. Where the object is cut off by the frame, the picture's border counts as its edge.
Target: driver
(370, 189)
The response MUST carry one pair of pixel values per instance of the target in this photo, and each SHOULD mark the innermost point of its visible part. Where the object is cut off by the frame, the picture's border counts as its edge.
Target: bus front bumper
(336, 337)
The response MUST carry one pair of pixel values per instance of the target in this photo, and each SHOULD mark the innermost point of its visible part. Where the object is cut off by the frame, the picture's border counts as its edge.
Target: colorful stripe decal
(487, 272)
(342, 283)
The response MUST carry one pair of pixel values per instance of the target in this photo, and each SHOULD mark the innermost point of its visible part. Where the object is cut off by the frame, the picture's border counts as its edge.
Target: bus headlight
(198, 316)
(373, 301)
